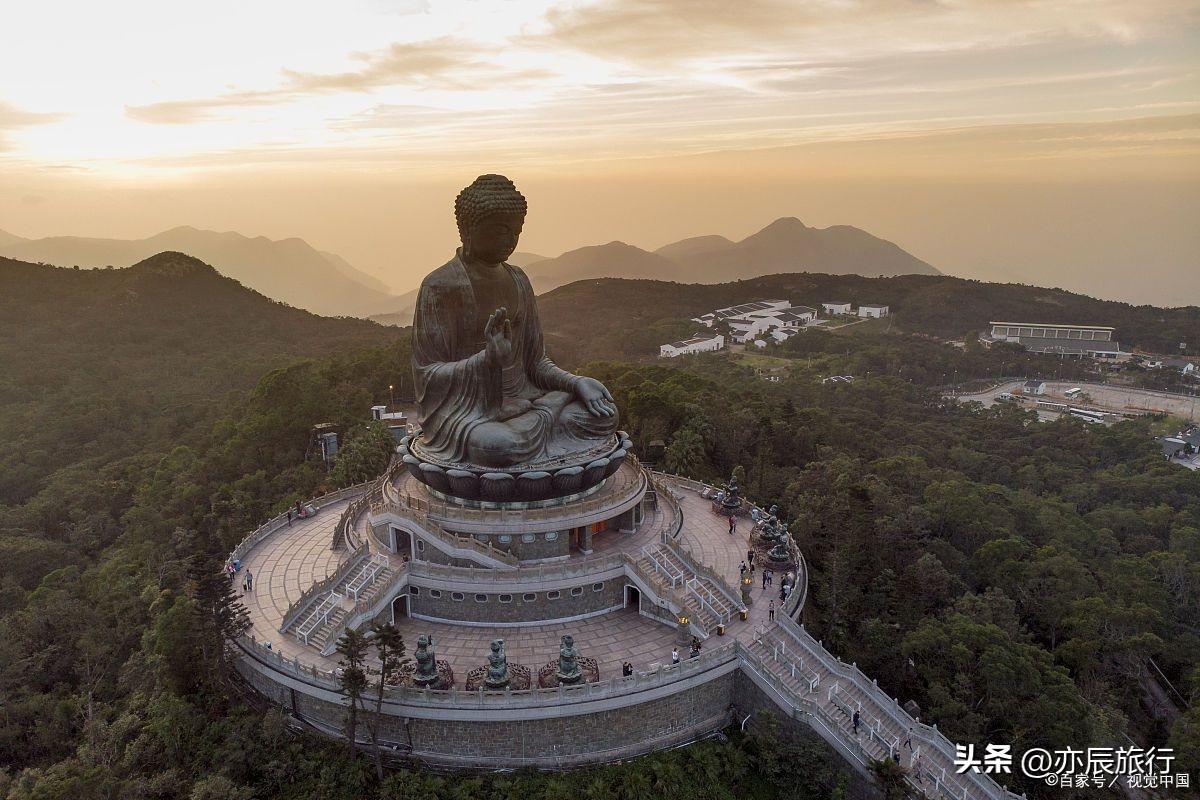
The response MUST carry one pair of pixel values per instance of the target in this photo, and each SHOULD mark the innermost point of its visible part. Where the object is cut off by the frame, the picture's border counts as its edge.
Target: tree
(389, 644)
(352, 648)
(364, 456)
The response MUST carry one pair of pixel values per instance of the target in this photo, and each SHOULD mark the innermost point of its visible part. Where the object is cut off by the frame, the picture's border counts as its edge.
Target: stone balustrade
(614, 687)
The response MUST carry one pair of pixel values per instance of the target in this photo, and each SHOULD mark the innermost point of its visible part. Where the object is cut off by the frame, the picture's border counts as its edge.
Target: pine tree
(389, 644)
(352, 647)
(221, 616)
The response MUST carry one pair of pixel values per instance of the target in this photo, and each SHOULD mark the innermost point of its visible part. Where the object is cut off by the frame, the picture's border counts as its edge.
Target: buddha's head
(490, 214)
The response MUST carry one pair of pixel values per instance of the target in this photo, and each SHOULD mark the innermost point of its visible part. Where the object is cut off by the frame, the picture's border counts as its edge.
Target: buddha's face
(494, 238)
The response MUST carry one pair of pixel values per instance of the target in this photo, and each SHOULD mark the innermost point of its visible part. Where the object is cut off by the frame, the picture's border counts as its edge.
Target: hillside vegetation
(631, 318)
(99, 363)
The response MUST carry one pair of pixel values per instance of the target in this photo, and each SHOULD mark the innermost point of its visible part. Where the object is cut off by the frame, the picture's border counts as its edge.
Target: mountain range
(786, 245)
(294, 272)
(288, 270)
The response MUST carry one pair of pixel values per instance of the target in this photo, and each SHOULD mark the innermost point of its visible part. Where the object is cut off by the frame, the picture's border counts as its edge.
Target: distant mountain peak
(785, 224)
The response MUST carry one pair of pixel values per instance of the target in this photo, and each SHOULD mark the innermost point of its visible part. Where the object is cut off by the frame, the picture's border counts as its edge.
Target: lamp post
(391, 397)
(683, 633)
(747, 600)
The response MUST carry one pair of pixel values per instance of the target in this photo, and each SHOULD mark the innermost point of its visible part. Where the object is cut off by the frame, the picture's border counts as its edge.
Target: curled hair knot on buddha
(487, 195)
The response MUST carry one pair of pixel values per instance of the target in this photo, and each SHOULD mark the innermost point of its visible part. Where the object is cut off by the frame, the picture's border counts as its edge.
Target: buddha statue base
(565, 476)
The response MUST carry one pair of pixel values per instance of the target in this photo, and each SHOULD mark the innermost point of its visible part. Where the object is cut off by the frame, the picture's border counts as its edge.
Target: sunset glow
(394, 103)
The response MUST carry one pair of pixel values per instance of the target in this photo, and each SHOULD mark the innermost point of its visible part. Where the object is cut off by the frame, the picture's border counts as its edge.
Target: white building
(783, 334)
(836, 307)
(1034, 387)
(872, 310)
(709, 319)
(696, 344)
(762, 321)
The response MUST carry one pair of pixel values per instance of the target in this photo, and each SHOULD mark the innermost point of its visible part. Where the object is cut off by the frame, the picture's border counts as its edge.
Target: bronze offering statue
(488, 395)
(497, 673)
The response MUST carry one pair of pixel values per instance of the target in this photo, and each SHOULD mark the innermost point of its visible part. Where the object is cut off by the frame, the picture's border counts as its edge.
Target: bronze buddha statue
(487, 393)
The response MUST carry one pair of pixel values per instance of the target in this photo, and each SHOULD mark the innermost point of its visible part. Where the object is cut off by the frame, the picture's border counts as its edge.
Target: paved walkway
(284, 565)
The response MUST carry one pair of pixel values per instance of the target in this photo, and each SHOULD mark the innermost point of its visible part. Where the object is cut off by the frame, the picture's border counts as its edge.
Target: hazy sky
(1048, 142)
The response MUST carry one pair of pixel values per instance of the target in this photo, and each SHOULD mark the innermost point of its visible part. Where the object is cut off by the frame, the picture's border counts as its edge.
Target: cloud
(12, 117)
(663, 32)
(444, 63)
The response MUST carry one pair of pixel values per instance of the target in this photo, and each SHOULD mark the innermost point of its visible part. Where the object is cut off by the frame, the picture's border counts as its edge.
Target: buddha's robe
(492, 415)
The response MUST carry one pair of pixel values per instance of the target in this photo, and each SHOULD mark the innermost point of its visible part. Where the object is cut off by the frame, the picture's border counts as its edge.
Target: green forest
(1019, 580)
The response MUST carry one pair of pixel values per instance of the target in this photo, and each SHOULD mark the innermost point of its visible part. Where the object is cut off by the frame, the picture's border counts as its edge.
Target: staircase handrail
(703, 570)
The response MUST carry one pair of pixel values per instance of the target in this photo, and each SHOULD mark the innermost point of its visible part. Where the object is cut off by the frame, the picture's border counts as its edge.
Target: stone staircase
(882, 731)
(327, 615)
(321, 636)
(706, 604)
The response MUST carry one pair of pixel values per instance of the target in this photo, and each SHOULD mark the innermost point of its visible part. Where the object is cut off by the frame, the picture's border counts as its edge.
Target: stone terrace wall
(530, 737)
(524, 607)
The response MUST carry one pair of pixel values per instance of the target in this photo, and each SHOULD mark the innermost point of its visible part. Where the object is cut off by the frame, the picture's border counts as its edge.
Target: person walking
(732, 524)
(854, 720)
(771, 611)
(908, 739)
(750, 556)
(764, 579)
(770, 578)
(674, 655)
(742, 569)
(289, 518)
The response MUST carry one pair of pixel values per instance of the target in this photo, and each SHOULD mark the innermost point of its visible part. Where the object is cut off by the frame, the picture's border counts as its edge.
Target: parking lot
(1119, 399)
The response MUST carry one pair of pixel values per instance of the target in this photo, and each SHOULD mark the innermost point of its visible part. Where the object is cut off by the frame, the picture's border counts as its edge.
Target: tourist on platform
(248, 584)
(770, 578)
(674, 655)
(742, 569)
(782, 592)
(732, 524)
(854, 720)
(626, 669)
(766, 575)
(771, 611)
(908, 739)
(289, 518)
(750, 556)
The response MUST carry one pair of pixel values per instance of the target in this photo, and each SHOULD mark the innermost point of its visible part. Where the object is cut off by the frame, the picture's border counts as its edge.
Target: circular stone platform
(619, 591)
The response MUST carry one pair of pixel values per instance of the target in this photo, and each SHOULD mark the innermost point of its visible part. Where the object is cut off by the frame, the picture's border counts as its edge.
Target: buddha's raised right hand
(497, 334)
